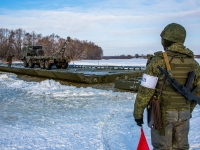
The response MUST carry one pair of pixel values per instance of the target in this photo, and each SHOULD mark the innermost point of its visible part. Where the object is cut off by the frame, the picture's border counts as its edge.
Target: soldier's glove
(139, 122)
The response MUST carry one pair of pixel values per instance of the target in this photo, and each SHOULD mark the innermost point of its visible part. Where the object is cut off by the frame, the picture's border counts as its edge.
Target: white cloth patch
(149, 81)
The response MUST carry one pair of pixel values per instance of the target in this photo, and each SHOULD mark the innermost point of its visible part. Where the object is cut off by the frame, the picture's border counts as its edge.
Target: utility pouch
(154, 119)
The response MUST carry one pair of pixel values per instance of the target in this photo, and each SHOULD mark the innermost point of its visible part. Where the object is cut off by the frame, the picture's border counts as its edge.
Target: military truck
(34, 55)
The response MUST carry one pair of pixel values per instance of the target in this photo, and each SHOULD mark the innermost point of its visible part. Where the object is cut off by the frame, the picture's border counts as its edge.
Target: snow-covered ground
(49, 115)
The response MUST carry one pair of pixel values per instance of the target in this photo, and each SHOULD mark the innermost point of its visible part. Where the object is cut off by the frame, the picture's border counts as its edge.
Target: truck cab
(32, 51)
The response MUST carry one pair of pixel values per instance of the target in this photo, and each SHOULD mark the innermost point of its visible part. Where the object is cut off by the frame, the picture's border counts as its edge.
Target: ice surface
(48, 115)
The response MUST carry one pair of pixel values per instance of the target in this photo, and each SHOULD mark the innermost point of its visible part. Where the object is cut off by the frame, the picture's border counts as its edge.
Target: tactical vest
(181, 65)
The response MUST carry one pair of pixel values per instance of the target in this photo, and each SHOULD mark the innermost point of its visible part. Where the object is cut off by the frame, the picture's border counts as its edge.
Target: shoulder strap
(167, 63)
(168, 69)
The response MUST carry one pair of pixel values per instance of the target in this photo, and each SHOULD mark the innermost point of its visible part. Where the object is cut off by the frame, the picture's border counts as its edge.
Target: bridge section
(80, 73)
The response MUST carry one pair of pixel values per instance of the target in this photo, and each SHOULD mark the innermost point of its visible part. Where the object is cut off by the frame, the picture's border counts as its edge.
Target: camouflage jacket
(144, 94)
(9, 58)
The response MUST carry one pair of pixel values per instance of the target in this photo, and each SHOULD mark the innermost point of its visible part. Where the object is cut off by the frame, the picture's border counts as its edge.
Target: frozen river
(46, 114)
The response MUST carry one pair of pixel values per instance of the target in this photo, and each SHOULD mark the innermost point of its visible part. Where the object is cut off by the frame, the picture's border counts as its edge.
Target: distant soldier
(176, 110)
(9, 60)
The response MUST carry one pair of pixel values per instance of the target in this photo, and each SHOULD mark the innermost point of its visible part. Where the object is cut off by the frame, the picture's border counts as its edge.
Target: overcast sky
(118, 26)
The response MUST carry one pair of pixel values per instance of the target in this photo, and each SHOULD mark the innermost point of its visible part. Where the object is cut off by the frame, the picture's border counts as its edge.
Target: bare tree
(18, 42)
(4, 34)
(12, 41)
(27, 39)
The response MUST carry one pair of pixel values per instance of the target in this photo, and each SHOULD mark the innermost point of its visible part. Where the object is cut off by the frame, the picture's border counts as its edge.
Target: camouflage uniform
(175, 109)
(9, 59)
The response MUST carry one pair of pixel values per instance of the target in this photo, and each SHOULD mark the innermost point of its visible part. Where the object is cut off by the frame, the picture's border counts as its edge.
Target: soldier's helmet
(174, 32)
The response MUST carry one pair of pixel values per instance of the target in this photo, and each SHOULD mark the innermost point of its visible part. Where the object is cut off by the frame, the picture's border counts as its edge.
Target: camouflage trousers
(176, 132)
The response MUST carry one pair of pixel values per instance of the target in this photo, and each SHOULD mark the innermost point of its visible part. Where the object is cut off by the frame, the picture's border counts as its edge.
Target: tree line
(12, 41)
(133, 56)
(125, 56)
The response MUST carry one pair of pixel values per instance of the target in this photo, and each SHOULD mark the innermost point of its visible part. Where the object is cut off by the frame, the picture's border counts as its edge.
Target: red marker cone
(143, 145)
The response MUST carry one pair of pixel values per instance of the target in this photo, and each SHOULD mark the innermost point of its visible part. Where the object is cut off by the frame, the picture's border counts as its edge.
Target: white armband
(149, 81)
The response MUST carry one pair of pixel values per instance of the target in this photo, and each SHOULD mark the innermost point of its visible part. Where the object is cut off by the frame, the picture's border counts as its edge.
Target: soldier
(9, 60)
(176, 110)
(149, 58)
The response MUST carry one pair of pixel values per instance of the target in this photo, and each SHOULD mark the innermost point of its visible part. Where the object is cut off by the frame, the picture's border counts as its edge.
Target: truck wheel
(30, 64)
(25, 64)
(42, 64)
(47, 65)
(58, 66)
(65, 65)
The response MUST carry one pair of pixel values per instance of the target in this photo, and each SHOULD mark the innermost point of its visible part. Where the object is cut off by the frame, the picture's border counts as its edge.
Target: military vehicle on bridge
(34, 55)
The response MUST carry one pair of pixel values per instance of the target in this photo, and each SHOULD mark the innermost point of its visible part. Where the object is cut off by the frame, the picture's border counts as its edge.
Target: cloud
(111, 24)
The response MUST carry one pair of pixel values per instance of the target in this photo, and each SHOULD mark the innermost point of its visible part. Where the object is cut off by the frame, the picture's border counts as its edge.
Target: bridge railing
(109, 67)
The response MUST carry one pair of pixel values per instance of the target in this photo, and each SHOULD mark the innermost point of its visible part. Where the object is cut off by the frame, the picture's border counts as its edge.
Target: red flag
(143, 145)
